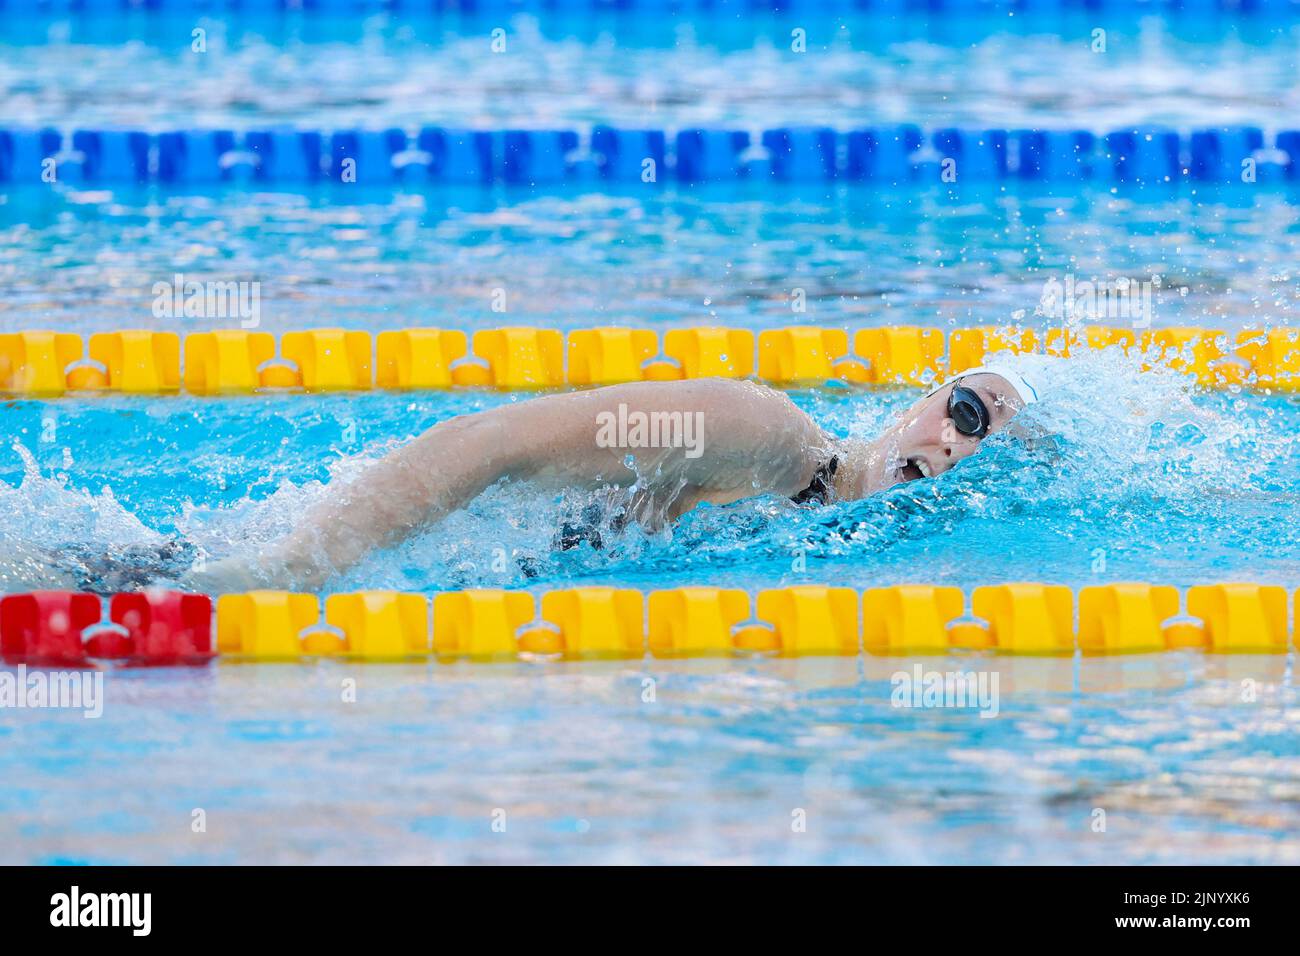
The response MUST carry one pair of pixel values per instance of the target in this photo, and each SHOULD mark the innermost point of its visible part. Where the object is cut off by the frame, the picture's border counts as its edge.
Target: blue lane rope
(886, 155)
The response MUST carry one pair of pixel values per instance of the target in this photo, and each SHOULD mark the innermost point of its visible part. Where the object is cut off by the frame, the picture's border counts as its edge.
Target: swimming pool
(1190, 756)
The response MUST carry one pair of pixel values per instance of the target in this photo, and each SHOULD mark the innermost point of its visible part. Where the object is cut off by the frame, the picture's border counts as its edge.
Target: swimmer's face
(930, 439)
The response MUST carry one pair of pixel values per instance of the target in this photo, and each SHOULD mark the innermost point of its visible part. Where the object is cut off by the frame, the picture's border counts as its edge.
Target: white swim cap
(1025, 390)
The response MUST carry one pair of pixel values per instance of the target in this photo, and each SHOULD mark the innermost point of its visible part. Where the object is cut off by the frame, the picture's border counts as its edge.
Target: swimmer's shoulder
(710, 389)
(753, 411)
(736, 407)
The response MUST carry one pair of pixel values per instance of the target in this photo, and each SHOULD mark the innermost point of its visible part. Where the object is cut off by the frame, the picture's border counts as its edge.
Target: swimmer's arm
(755, 441)
(434, 474)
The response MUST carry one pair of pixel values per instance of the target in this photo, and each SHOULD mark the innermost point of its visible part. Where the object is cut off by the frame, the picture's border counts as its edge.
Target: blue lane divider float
(365, 156)
(455, 156)
(531, 157)
(193, 156)
(629, 155)
(1150, 156)
(1217, 154)
(1055, 154)
(888, 155)
(23, 153)
(802, 155)
(653, 7)
(113, 155)
(285, 156)
(882, 154)
(977, 155)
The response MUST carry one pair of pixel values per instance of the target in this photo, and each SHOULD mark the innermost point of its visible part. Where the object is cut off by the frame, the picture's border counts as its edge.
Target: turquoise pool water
(418, 769)
(87, 260)
(678, 71)
(1191, 758)
(1137, 478)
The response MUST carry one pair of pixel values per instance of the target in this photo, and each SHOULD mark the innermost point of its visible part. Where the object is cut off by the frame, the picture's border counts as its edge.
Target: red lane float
(164, 627)
(67, 629)
(45, 627)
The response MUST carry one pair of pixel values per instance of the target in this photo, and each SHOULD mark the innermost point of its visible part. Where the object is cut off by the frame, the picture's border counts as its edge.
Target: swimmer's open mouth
(914, 469)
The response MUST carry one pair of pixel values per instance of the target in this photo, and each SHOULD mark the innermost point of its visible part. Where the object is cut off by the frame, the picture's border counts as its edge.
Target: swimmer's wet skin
(751, 441)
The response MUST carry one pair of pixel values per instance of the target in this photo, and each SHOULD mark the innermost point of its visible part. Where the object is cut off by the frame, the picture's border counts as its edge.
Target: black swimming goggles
(969, 414)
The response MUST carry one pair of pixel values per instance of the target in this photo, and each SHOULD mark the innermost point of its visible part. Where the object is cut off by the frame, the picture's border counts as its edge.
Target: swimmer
(726, 440)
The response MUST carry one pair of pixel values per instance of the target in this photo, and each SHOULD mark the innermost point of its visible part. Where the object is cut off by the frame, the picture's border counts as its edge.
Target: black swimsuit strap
(819, 489)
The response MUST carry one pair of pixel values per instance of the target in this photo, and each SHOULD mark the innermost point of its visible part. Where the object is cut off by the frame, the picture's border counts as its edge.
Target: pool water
(561, 69)
(579, 767)
(653, 256)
